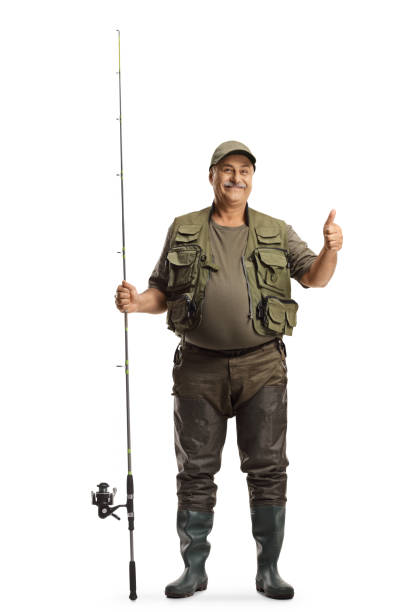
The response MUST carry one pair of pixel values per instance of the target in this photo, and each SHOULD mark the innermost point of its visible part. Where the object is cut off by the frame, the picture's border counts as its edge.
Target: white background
(318, 91)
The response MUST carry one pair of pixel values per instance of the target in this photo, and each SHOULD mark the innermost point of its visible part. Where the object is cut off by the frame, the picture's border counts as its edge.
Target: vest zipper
(249, 293)
(202, 259)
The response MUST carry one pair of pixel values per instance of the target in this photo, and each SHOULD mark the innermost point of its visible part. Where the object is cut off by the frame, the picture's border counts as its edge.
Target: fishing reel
(103, 498)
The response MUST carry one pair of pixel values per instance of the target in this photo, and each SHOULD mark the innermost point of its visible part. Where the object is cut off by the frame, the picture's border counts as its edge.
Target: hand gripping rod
(103, 498)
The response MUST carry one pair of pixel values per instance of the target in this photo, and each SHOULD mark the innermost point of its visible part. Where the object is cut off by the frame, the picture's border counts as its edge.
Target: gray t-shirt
(225, 323)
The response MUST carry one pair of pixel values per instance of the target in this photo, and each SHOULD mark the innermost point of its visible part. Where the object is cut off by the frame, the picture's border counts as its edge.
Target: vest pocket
(268, 234)
(181, 268)
(187, 233)
(180, 312)
(277, 314)
(271, 267)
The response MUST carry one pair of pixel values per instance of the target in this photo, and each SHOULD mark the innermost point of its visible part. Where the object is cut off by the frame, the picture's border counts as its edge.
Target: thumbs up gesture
(333, 236)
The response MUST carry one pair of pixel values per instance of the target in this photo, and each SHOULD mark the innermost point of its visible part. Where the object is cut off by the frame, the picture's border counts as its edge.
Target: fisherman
(224, 278)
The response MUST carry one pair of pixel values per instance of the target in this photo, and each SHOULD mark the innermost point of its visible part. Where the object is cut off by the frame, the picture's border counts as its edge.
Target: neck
(225, 213)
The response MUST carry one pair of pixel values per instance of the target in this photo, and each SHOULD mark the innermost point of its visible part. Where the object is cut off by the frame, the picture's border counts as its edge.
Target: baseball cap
(228, 147)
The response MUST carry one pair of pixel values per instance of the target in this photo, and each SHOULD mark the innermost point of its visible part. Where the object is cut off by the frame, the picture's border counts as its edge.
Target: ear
(210, 177)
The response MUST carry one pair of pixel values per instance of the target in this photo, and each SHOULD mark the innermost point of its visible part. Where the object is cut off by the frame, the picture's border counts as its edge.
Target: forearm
(322, 269)
(152, 301)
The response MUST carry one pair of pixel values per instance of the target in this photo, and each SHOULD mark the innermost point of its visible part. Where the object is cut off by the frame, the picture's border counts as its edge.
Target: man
(224, 279)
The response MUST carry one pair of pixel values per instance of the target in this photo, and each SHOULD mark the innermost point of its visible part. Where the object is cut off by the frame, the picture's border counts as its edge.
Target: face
(232, 178)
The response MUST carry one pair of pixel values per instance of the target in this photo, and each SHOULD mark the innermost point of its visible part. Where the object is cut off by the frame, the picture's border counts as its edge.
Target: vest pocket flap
(281, 315)
(272, 258)
(276, 311)
(189, 229)
(187, 233)
(181, 258)
(291, 314)
(268, 233)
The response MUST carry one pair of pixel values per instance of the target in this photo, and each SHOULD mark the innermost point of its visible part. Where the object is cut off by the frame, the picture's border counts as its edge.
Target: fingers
(121, 305)
(121, 291)
(124, 292)
(123, 296)
(125, 286)
(128, 285)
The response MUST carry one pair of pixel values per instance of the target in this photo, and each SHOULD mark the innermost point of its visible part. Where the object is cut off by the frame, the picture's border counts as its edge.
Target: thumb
(132, 288)
(127, 285)
(331, 216)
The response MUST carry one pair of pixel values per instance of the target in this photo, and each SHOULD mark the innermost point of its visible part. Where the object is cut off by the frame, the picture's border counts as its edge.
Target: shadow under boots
(268, 526)
(193, 527)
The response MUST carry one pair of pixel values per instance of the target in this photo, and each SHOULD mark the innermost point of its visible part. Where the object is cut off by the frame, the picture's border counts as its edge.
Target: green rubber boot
(193, 527)
(268, 525)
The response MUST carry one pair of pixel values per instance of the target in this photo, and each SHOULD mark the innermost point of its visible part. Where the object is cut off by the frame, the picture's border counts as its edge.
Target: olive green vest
(265, 265)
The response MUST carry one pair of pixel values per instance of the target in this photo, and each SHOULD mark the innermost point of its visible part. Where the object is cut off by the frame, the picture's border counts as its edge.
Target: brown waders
(209, 388)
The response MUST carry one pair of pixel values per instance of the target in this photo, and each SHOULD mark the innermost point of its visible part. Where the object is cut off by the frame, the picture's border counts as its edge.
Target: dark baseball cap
(228, 147)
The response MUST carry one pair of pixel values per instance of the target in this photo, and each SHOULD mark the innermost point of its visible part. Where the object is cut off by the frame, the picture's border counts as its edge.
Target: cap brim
(242, 151)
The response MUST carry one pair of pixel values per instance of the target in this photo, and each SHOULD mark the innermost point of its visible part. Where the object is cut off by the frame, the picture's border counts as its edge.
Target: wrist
(333, 252)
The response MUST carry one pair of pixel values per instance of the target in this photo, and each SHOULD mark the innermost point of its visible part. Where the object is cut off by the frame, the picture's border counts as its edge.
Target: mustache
(230, 184)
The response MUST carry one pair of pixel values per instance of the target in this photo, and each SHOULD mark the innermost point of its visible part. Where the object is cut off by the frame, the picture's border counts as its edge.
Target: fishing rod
(103, 498)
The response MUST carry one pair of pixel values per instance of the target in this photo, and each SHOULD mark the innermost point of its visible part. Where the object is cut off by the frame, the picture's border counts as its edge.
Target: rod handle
(132, 580)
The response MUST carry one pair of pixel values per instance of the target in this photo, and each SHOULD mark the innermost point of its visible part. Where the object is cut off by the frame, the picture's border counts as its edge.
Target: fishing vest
(190, 262)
